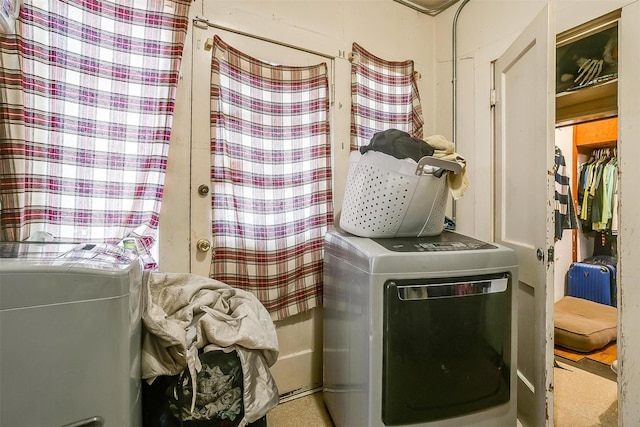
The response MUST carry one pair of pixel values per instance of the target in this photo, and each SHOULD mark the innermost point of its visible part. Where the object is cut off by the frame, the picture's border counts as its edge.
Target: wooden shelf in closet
(587, 104)
(597, 134)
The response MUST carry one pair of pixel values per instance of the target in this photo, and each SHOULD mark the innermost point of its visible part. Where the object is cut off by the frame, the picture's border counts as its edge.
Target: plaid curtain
(87, 97)
(271, 178)
(384, 95)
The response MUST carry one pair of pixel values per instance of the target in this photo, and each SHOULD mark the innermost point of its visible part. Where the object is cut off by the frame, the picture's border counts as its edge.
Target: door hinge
(492, 98)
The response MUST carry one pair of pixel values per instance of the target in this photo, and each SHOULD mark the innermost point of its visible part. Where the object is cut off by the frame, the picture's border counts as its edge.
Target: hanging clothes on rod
(565, 213)
(598, 198)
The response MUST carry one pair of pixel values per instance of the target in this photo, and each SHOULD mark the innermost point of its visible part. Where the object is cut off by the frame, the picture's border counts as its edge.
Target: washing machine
(419, 331)
(70, 332)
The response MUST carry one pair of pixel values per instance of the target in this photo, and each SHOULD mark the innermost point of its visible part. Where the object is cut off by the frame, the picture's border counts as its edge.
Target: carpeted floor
(307, 411)
(581, 399)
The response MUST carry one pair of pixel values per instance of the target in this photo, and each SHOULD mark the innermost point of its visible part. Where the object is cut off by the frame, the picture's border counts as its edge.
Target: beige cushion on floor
(584, 325)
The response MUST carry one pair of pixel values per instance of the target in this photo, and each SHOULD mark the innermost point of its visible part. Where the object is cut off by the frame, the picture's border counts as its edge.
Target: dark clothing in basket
(398, 144)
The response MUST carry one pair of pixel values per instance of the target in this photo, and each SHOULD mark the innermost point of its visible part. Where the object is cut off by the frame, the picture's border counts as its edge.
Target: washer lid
(37, 274)
(95, 256)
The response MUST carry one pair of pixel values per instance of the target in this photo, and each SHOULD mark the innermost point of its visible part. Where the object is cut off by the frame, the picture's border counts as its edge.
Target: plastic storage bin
(389, 197)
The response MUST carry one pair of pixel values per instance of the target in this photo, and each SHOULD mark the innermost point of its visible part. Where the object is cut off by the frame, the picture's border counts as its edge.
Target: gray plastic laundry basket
(389, 197)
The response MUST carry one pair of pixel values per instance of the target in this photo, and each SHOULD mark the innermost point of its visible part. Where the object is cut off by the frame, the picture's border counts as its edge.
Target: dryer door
(446, 347)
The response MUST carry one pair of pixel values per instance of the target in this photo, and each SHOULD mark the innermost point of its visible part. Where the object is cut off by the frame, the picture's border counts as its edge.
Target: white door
(299, 365)
(524, 150)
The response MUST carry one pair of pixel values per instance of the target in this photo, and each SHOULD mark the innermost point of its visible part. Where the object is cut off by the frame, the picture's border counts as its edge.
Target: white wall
(485, 30)
(563, 253)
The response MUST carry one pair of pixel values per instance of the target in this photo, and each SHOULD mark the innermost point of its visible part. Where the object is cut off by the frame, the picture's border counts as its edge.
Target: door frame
(628, 254)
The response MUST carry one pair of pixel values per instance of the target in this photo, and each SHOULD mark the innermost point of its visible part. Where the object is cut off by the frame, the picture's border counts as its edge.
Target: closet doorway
(591, 145)
(587, 141)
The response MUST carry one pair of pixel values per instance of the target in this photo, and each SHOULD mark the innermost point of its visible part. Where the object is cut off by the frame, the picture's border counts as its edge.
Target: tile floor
(573, 407)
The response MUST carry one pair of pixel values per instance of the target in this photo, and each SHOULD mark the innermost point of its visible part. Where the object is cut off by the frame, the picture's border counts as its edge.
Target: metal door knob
(203, 245)
(203, 190)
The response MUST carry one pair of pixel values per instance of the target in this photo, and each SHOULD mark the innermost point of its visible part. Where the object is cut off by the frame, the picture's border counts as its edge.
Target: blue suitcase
(611, 262)
(592, 281)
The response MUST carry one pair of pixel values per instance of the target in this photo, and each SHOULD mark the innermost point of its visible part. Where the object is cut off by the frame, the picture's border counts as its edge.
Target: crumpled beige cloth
(183, 313)
(443, 149)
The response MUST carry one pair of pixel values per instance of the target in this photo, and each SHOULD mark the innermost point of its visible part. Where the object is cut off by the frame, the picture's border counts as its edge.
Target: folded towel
(440, 145)
(443, 149)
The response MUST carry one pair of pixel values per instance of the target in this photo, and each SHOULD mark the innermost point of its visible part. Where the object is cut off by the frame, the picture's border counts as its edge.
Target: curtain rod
(204, 23)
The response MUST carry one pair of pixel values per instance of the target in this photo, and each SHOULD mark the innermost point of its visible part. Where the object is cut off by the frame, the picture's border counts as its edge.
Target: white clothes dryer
(419, 331)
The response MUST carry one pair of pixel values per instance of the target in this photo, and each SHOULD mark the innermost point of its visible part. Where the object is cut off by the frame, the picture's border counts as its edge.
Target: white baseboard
(298, 373)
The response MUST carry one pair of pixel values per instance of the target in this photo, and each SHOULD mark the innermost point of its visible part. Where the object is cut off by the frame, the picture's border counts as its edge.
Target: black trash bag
(398, 144)
(155, 402)
(219, 392)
